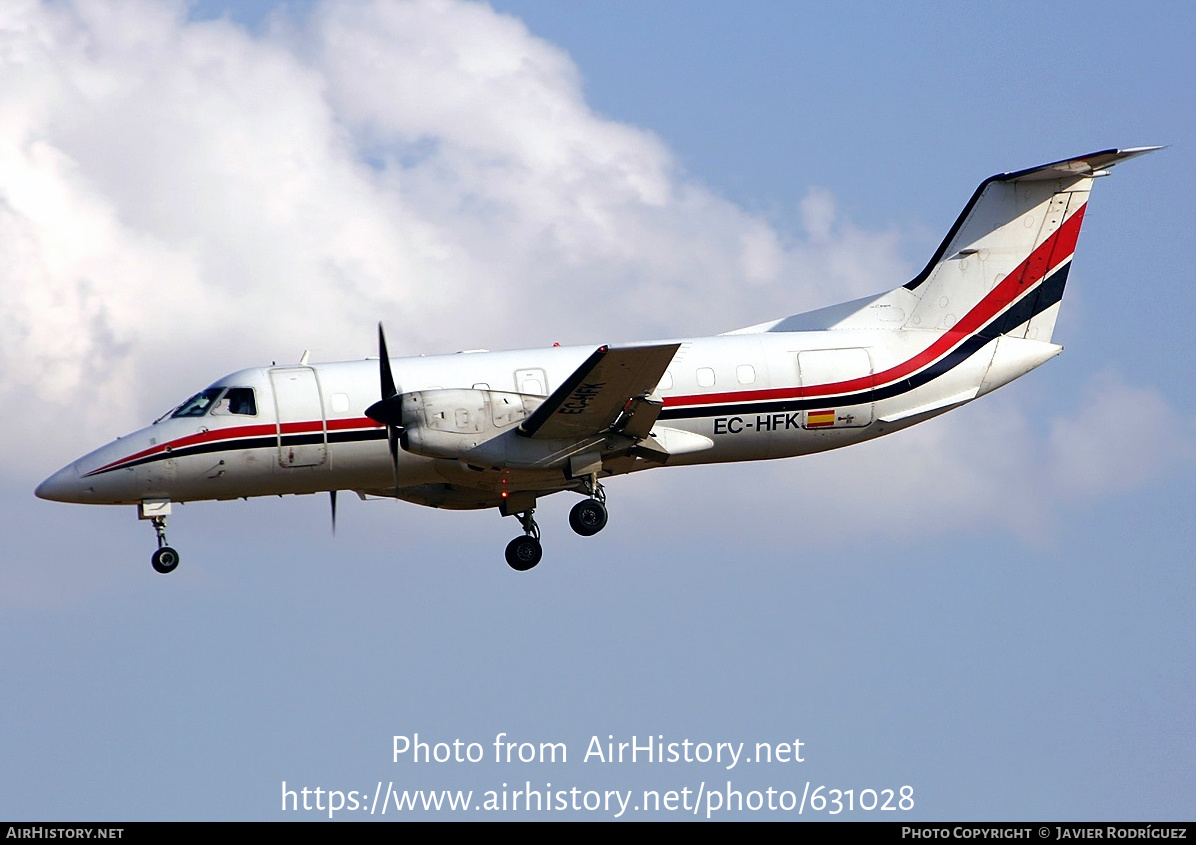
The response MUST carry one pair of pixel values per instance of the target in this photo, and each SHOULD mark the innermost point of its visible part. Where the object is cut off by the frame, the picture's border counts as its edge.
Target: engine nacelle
(447, 423)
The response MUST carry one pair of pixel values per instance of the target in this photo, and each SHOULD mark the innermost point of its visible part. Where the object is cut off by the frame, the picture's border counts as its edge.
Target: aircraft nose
(62, 486)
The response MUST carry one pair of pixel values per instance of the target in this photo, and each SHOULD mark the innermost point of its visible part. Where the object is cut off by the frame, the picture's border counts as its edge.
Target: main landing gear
(587, 518)
(525, 552)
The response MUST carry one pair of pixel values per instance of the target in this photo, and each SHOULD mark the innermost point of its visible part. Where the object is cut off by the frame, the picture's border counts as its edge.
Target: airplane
(481, 430)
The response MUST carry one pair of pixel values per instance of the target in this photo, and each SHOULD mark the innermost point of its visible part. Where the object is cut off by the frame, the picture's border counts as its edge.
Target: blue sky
(993, 608)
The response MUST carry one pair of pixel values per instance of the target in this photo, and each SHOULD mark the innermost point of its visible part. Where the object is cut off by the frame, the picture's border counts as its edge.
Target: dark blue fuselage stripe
(238, 444)
(1048, 293)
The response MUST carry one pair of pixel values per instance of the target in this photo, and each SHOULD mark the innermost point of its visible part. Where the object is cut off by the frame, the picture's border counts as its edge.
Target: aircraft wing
(590, 400)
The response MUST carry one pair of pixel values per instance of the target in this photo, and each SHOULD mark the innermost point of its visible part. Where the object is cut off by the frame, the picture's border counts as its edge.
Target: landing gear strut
(525, 552)
(165, 559)
(588, 517)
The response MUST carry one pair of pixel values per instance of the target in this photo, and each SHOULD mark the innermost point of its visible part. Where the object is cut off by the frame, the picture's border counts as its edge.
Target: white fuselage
(499, 429)
(745, 397)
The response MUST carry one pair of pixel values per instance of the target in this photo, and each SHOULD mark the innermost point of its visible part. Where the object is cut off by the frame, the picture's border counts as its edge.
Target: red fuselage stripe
(1061, 245)
(239, 433)
(1050, 254)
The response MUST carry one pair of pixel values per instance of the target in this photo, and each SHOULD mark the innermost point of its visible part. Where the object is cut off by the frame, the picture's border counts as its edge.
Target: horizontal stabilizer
(1089, 165)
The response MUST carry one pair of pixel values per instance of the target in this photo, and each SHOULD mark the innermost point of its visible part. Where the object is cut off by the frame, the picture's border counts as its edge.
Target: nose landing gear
(165, 559)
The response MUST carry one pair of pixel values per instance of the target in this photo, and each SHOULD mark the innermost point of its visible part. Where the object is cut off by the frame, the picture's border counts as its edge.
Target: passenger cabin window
(705, 377)
(666, 381)
(746, 374)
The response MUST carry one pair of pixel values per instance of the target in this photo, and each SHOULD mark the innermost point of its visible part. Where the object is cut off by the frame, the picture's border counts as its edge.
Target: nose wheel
(165, 559)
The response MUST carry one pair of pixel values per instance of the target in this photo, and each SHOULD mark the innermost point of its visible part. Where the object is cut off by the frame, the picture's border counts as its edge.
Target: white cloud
(1121, 436)
(818, 213)
(180, 199)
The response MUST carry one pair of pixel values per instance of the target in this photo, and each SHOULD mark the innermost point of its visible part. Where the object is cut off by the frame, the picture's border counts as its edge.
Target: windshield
(218, 401)
(198, 404)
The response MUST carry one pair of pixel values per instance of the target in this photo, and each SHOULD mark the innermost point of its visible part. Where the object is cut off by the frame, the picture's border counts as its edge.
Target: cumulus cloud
(179, 199)
(1122, 436)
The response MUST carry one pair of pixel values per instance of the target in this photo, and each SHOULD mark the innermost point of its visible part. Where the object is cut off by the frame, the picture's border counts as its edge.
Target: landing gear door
(302, 429)
(835, 366)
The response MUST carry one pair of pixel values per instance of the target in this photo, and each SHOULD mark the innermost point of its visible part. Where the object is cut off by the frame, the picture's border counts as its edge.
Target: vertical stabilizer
(1002, 267)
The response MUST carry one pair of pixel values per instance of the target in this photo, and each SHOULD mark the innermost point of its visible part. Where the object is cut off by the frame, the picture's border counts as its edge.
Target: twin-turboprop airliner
(504, 429)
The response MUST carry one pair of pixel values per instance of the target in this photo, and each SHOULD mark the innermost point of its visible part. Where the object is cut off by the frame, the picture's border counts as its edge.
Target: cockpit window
(219, 401)
(198, 404)
(238, 400)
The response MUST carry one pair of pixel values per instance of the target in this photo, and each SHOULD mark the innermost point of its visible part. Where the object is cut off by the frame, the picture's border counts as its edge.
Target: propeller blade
(332, 494)
(389, 409)
(392, 439)
(387, 378)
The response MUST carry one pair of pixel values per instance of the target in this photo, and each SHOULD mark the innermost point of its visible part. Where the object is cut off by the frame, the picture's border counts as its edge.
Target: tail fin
(1010, 251)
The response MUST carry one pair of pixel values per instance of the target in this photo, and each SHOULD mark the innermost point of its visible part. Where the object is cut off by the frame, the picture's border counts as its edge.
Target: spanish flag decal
(820, 419)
